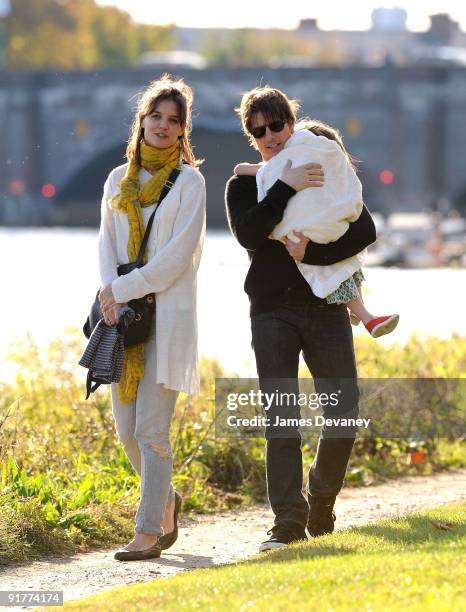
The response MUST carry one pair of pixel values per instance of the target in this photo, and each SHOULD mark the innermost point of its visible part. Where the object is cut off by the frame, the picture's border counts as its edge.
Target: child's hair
(165, 88)
(272, 103)
(319, 128)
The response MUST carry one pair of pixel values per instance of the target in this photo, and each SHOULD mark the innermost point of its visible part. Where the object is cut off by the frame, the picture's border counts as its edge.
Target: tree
(77, 34)
(248, 47)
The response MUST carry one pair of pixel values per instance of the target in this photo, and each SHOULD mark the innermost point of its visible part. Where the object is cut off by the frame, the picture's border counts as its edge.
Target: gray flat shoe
(168, 539)
(139, 555)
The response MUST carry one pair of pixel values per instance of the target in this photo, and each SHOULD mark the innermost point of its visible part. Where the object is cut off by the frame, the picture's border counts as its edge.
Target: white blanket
(323, 214)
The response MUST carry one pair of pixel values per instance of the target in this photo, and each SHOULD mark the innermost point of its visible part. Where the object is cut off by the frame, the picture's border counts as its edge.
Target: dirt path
(205, 541)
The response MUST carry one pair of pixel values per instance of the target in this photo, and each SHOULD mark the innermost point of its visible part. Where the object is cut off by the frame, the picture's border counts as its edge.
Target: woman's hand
(302, 177)
(112, 314)
(297, 249)
(106, 298)
(110, 309)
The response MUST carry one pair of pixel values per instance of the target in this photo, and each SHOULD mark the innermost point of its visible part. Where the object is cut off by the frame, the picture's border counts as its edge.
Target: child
(323, 215)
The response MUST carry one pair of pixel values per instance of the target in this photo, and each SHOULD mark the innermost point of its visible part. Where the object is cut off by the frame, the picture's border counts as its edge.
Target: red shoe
(382, 325)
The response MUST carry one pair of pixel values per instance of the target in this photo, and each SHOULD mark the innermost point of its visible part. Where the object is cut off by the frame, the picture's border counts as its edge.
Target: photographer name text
(317, 421)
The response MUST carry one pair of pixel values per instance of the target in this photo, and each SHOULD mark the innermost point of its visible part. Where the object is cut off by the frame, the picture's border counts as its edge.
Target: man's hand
(302, 177)
(297, 249)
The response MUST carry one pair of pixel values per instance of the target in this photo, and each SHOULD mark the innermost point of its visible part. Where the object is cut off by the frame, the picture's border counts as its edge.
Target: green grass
(66, 485)
(405, 563)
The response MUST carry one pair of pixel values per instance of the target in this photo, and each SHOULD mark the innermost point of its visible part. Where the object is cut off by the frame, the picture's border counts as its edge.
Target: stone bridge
(61, 132)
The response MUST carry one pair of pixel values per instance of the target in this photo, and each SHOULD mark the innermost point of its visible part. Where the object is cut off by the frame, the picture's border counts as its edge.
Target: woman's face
(272, 142)
(162, 127)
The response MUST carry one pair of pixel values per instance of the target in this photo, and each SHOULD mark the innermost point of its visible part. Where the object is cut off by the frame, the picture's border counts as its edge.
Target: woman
(155, 371)
(287, 319)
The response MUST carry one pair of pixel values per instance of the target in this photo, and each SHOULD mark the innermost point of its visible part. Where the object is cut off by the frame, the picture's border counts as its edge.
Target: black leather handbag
(144, 308)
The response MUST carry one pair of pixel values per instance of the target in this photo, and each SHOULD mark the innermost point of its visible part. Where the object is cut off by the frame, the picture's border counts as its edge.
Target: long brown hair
(165, 88)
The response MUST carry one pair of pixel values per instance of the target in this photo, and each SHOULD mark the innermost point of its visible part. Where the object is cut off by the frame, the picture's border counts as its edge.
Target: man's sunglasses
(274, 126)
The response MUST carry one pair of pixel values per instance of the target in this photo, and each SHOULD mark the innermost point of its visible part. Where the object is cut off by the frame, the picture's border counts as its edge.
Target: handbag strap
(166, 188)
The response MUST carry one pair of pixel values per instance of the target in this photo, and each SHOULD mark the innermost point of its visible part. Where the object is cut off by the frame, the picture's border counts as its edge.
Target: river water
(50, 276)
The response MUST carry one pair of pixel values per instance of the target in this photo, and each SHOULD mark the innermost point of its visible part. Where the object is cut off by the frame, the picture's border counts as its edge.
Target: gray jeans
(143, 428)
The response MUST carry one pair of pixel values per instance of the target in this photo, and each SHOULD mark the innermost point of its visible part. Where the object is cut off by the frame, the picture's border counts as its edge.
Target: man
(287, 318)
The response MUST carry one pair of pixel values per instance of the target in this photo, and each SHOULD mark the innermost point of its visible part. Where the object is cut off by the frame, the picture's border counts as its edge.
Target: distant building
(443, 30)
(187, 59)
(389, 19)
(388, 41)
(5, 8)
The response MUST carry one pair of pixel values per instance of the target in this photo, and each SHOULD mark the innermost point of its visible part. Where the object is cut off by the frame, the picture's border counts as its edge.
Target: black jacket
(273, 273)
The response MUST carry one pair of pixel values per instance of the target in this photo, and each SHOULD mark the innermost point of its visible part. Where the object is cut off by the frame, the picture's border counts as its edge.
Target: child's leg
(353, 318)
(349, 293)
(358, 309)
(376, 326)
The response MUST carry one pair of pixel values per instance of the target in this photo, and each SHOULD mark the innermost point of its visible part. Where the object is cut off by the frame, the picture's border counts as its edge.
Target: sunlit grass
(414, 563)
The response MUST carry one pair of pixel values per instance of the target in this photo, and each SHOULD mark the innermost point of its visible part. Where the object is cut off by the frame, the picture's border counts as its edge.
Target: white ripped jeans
(143, 428)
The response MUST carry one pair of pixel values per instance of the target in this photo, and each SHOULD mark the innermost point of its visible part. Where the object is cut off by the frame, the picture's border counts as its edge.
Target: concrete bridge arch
(69, 129)
(79, 196)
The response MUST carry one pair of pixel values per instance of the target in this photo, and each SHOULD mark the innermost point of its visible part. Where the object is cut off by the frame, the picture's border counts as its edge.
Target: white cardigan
(322, 214)
(174, 250)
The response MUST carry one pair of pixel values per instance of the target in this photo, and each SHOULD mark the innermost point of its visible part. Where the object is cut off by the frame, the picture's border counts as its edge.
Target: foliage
(250, 47)
(77, 34)
(272, 47)
(421, 357)
(61, 466)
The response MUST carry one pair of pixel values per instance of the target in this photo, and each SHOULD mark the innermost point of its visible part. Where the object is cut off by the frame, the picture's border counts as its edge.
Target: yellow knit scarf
(130, 200)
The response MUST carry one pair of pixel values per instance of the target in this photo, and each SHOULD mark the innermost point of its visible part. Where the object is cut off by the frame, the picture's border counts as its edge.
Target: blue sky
(332, 14)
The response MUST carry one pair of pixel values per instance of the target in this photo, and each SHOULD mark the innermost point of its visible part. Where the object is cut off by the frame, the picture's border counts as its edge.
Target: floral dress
(348, 290)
